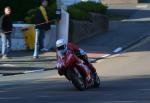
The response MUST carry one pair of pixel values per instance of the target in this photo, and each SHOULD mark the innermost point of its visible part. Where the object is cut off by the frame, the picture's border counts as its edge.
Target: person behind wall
(42, 23)
(5, 31)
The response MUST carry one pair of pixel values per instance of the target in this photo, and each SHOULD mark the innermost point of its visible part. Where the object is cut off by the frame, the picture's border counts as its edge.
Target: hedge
(77, 14)
(21, 8)
(80, 10)
(30, 15)
(91, 7)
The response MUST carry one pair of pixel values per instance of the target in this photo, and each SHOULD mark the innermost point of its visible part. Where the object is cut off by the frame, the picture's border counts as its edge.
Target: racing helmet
(60, 44)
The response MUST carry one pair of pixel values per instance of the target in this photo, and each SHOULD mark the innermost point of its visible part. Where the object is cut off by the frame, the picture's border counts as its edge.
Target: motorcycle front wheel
(76, 78)
(96, 81)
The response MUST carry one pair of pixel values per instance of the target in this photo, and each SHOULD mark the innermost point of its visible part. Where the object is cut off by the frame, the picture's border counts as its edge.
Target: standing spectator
(42, 22)
(5, 31)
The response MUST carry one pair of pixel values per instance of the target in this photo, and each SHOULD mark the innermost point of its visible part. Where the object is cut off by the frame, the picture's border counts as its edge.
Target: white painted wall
(19, 43)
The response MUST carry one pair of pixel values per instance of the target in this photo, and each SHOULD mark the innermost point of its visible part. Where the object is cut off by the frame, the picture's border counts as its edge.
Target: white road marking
(106, 55)
(8, 65)
(32, 71)
(117, 50)
(142, 6)
(91, 60)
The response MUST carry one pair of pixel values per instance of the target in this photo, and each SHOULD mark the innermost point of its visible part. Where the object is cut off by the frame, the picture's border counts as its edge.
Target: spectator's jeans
(41, 39)
(6, 43)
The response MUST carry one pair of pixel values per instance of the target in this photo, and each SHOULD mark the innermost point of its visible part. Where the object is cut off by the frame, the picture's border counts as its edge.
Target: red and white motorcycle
(76, 71)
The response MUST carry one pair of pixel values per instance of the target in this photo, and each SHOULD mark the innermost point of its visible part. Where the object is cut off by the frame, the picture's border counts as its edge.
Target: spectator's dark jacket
(40, 19)
(5, 23)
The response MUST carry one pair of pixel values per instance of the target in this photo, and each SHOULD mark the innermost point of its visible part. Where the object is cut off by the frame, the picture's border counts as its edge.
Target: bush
(77, 14)
(25, 9)
(52, 10)
(30, 15)
(91, 7)
(19, 7)
(80, 10)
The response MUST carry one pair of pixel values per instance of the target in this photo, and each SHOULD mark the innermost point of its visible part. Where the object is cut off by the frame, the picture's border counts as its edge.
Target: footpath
(20, 62)
(121, 35)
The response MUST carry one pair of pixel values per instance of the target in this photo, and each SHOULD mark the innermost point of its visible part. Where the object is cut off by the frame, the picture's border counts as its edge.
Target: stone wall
(80, 30)
(119, 1)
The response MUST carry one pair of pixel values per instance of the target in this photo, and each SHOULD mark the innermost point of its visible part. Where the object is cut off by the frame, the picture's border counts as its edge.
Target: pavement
(21, 62)
(122, 34)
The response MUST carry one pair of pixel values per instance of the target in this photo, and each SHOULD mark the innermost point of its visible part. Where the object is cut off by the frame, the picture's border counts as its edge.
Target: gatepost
(62, 27)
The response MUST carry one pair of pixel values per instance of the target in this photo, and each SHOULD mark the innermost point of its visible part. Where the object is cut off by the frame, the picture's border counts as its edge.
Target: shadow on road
(129, 90)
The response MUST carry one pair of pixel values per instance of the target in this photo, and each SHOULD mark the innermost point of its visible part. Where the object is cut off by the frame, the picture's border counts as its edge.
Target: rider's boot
(93, 70)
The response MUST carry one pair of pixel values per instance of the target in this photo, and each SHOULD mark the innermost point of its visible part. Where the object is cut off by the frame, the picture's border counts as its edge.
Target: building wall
(69, 2)
(119, 1)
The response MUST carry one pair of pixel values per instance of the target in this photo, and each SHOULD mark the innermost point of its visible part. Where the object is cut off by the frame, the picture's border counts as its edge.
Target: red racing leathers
(80, 54)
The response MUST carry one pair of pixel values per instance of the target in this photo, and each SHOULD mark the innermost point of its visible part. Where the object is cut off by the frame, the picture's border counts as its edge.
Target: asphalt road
(125, 79)
(135, 90)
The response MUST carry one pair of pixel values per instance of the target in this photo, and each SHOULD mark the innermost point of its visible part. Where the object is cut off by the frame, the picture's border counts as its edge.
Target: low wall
(21, 42)
(119, 1)
(80, 30)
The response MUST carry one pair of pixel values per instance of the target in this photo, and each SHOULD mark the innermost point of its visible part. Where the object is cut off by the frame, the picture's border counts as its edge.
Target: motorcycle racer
(63, 47)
